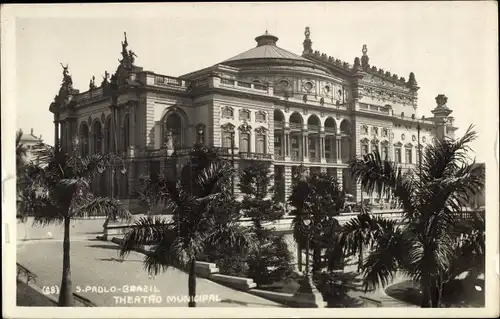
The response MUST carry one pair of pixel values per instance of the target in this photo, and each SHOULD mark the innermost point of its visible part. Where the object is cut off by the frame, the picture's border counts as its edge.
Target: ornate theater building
(265, 104)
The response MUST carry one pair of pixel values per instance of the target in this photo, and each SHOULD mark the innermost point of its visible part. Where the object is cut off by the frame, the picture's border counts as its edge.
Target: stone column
(339, 177)
(287, 144)
(305, 145)
(322, 147)
(56, 133)
(339, 149)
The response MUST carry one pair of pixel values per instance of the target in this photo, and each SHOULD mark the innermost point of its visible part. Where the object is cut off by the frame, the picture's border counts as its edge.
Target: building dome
(267, 54)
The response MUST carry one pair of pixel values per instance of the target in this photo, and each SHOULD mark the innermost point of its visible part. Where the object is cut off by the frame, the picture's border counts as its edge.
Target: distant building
(478, 200)
(266, 104)
(33, 145)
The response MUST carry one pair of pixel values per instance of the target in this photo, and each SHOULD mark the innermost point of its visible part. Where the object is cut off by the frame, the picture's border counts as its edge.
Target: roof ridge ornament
(307, 42)
(364, 58)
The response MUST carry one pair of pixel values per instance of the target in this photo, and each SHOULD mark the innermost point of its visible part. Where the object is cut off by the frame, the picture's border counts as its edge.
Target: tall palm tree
(203, 217)
(423, 247)
(60, 193)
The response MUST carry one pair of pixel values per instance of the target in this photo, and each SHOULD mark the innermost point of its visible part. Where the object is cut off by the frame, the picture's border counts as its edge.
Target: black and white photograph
(284, 157)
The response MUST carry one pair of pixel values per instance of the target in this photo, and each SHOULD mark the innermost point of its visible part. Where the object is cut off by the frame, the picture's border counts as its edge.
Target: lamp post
(307, 222)
(232, 162)
(114, 152)
(419, 147)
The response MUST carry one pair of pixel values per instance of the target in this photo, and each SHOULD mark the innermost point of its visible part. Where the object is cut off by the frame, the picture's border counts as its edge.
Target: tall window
(108, 138)
(277, 143)
(244, 142)
(397, 154)
(126, 132)
(364, 149)
(294, 141)
(385, 152)
(84, 136)
(408, 157)
(375, 147)
(311, 146)
(260, 146)
(227, 139)
(97, 134)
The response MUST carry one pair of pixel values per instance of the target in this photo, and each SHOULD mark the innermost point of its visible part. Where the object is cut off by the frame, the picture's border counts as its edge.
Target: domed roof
(266, 49)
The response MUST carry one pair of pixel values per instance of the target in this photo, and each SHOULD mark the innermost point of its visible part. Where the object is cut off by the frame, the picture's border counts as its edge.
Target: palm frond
(146, 231)
(385, 178)
(170, 252)
(103, 206)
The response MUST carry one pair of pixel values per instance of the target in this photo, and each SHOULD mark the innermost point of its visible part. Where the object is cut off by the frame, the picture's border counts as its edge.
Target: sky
(450, 46)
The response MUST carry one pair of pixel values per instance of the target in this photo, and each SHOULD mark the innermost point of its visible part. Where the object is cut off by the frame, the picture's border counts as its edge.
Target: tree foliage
(433, 235)
(203, 217)
(317, 198)
(272, 261)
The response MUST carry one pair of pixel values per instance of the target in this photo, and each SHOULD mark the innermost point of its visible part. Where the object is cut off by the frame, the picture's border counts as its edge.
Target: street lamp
(419, 146)
(307, 222)
(232, 162)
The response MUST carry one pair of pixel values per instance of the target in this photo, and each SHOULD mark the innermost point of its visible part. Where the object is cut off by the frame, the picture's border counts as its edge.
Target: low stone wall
(211, 271)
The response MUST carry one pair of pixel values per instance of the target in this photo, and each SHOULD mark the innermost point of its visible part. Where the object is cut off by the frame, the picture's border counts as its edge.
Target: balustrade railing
(296, 126)
(278, 124)
(252, 155)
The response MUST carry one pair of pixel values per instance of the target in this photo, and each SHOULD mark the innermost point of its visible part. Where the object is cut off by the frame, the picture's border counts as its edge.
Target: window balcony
(257, 156)
(331, 160)
(295, 126)
(314, 159)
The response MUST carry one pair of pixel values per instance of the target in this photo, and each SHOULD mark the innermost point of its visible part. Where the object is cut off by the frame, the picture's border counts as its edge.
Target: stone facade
(266, 104)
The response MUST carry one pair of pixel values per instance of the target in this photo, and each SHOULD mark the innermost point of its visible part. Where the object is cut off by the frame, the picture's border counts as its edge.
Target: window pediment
(228, 127)
(408, 145)
(261, 130)
(365, 141)
(385, 143)
(375, 141)
(245, 128)
(398, 144)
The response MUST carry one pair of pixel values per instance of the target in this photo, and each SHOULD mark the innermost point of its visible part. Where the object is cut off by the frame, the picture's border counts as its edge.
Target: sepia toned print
(284, 176)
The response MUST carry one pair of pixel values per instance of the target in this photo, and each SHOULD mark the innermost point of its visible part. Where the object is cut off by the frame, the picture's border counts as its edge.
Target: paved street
(95, 264)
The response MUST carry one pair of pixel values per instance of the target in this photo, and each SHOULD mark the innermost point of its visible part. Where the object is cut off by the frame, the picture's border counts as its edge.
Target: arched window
(126, 132)
(173, 126)
(97, 135)
(84, 139)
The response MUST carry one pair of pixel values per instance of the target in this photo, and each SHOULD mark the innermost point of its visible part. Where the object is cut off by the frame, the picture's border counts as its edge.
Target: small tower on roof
(307, 42)
(441, 117)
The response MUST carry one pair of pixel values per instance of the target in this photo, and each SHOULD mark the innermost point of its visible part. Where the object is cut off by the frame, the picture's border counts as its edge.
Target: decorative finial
(412, 82)
(441, 100)
(307, 33)
(266, 32)
(92, 85)
(307, 42)
(364, 58)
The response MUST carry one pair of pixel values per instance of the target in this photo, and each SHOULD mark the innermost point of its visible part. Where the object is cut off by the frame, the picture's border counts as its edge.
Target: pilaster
(288, 181)
(150, 132)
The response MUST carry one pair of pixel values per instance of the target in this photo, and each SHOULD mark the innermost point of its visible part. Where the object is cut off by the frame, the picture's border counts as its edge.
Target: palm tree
(423, 247)
(21, 150)
(317, 198)
(60, 193)
(204, 216)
